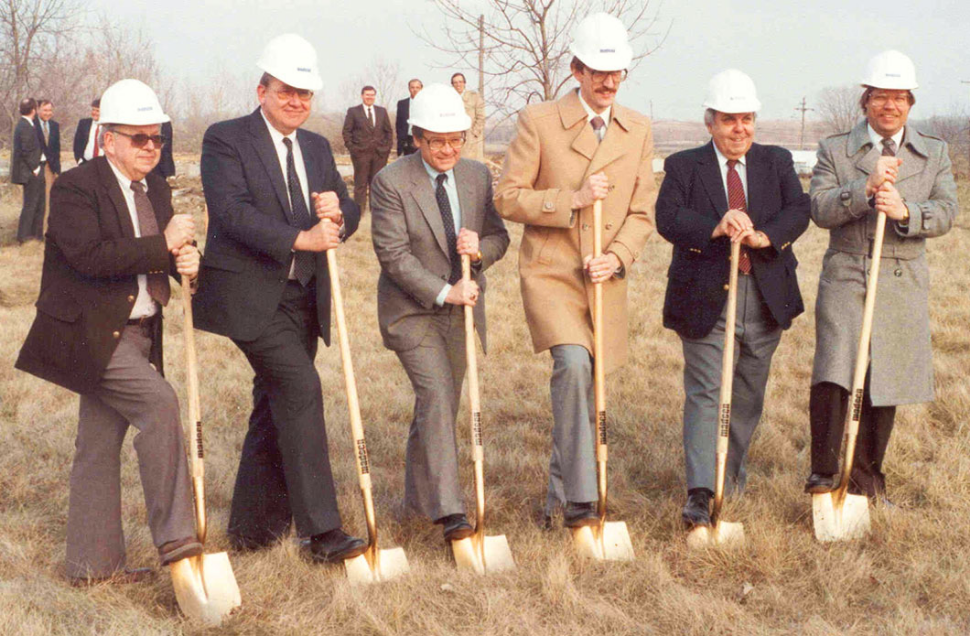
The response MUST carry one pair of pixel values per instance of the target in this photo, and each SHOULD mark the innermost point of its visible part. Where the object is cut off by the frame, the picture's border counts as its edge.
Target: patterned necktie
(888, 147)
(158, 287)
(299, 215)
(599, 127)
(370, 115)
(47, 132)
(444, 206)
(736, 201)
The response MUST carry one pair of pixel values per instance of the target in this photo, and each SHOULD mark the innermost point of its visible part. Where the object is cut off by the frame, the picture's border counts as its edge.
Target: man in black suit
(730, 190)
(405, 140)
(49, 136)
(26, 168)
(86, 143)
(166, 165)
(368, 136)
(276, 203)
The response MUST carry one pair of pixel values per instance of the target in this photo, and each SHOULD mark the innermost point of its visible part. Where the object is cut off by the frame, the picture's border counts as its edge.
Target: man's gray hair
(709, 116)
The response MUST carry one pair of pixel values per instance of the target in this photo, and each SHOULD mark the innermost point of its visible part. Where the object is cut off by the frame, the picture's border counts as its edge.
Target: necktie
(97, 133)
(736, 201)
(599, 127)
(46, 132)
(158, 287)
(299, 215)
(888, 147)
(444, 206)
(370, 115)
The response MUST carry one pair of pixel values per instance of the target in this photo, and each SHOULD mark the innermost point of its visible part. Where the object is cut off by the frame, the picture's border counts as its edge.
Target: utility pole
(801, 137)
(481, 56)
(968, 132)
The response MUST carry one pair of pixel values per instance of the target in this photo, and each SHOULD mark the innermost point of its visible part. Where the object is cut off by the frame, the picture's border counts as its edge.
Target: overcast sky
(790, 49)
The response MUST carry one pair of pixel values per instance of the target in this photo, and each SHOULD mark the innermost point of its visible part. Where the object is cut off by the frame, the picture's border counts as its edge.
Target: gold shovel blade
(497, 554)
(609, 542)
(389, 563)
(722, 534)
(205, 587)
(843, 521)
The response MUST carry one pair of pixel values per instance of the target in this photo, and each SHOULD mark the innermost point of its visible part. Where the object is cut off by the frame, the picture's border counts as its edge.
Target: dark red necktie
(736, 202)
(158, 287)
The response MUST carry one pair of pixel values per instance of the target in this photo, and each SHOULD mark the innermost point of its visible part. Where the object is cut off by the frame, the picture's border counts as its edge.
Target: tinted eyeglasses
(600, 76)
(138, 140)
(288, 93)
(438, 143)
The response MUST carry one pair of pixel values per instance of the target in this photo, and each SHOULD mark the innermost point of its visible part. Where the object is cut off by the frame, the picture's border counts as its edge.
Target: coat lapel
(424, 196)
(756, 172)
(573, 118)
(312, 164)
(117, 198)
(614, 144)
(710, 173)
(263, 144)
(913, 153)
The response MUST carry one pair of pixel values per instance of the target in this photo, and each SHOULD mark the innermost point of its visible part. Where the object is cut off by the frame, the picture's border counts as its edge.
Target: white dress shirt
(606, 115)
(280, 148)
(89, 147)
(144, 305)
(741, 168)
(876, 138)
(452, 191)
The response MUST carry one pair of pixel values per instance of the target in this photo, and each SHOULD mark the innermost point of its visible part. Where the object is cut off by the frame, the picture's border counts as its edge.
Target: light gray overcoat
(901, 356)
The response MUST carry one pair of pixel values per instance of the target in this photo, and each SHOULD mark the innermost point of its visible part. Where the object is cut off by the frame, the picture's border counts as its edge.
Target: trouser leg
(826, 405)
(377, 163)
(702, 383)
(877, 424)
(32, 207)
(361, 163)
(572, 466)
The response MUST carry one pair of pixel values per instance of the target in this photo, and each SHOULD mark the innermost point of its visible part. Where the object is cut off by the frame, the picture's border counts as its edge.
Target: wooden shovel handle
(196, 451)
(478, 446)
(727, 382)
(599, 365)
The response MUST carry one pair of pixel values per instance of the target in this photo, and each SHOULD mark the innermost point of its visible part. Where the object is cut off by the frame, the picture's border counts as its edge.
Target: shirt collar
(590, 113)
(434, 173)
(124, 181)
(876, 138)
(722, 160)
(276, 135)
(29, 120)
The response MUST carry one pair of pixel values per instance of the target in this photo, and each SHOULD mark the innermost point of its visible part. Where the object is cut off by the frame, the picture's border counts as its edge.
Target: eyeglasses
(600, 76)
(138, 140)
(438, 143)
(900, 100)
(287, 94)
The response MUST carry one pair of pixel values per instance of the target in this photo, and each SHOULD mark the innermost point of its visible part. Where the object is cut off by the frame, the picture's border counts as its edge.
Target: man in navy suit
(86, 145)
(276, 203)
(729, 190)
(26, 168)
(405, 140)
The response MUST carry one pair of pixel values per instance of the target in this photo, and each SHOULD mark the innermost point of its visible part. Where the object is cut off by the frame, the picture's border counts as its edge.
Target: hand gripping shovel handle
(478, 447)
(727, 384)
(599, 378)
(196, 453)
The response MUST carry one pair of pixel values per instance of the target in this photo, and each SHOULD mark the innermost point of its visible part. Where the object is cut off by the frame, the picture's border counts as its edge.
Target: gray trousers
(131, 393)
(756, 338)
(31, 225)
(572, 467)
(436, 368)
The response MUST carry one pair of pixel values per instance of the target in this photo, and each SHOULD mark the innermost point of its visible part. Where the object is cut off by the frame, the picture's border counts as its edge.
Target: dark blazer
(166, 165)
(691, 203)
(89, 282)
(25, 155)
(249, 242)
(360, 137)
(404, 142)
(51, 147)
(81, 138)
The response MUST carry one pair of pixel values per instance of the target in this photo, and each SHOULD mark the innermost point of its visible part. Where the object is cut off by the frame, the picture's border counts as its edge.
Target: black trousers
(284, 471)
(827, 408)
(366, 166)
(31, 224)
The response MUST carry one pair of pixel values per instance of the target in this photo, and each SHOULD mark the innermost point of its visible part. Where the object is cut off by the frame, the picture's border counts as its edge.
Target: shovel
(722, 532)
(605, 540)
(205, 586)
(838, 515)
(373, 565)
(479, 552)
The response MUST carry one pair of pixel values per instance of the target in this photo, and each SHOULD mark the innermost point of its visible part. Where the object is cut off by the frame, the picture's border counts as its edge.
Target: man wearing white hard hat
(565, 155)
(882, 165)
(728, 190)
(113, 241)
(429, 209)
(276, 204)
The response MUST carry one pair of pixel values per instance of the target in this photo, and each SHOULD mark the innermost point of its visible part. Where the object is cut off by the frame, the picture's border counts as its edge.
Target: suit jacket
(89, 283)
(81, 138)
(52, 145)
(691, 203)
(553, 152)
(361, 137)
(166, 165)
(401, 124)
(249, 241)
(411, 245)
(25, 155)
(901, 367)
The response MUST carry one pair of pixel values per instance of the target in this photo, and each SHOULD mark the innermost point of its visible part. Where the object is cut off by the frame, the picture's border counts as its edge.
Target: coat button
(548, 205)
(727, 287)
(131, 298)
(898, 272)
(116, 334)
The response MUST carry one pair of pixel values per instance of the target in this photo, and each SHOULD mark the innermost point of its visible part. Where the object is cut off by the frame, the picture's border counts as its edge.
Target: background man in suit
(166, 165)
(405, 141)
(882, 165)
(49, 136)
(98, 331)
(26, 168)
(368, 136)
(86, 144)
(565, 155)
(729, 190)
(475, 108)
(276, 203)
(429, 209)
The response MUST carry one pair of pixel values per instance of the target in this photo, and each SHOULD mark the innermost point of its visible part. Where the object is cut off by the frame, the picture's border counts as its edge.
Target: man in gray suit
(881, 165)
(430, 208)
(27, 168)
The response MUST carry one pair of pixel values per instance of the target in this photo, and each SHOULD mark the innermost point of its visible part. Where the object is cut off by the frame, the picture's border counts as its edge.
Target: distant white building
(805, 161)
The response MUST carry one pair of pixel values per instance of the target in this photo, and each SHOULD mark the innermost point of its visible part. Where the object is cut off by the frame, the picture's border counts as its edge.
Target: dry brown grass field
(910, 576)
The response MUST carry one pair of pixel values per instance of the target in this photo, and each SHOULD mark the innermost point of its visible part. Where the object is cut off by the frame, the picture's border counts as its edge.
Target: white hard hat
(131, 102)
(891, 70)
(600, 42)
(292, 60)
(439, 108)
(732, 91)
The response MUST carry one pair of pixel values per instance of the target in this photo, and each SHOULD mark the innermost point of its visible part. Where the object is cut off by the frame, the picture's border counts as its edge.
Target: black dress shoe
(577, 515)
(697, 512)
(334, 546)
(818, 483)
(455, 527)
(134, 575)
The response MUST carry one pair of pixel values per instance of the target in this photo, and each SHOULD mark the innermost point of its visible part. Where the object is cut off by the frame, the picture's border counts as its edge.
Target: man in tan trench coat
(565, 155)
(475, 109)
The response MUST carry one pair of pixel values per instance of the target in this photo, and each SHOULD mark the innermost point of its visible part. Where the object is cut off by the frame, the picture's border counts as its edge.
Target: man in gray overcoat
(881, 165)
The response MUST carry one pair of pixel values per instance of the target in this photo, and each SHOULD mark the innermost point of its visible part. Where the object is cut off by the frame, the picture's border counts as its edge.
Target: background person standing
(368, 136)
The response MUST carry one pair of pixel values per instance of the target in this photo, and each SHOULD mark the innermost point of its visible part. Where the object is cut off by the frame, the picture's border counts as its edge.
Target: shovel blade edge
(611, 543)
(844, 522)
(390, 563)
(205, 587)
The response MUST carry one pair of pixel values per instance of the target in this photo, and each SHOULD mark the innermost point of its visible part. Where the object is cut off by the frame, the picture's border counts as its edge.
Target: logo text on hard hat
(893, 75)
(144, 108)
(607, 50)
(303, 69)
